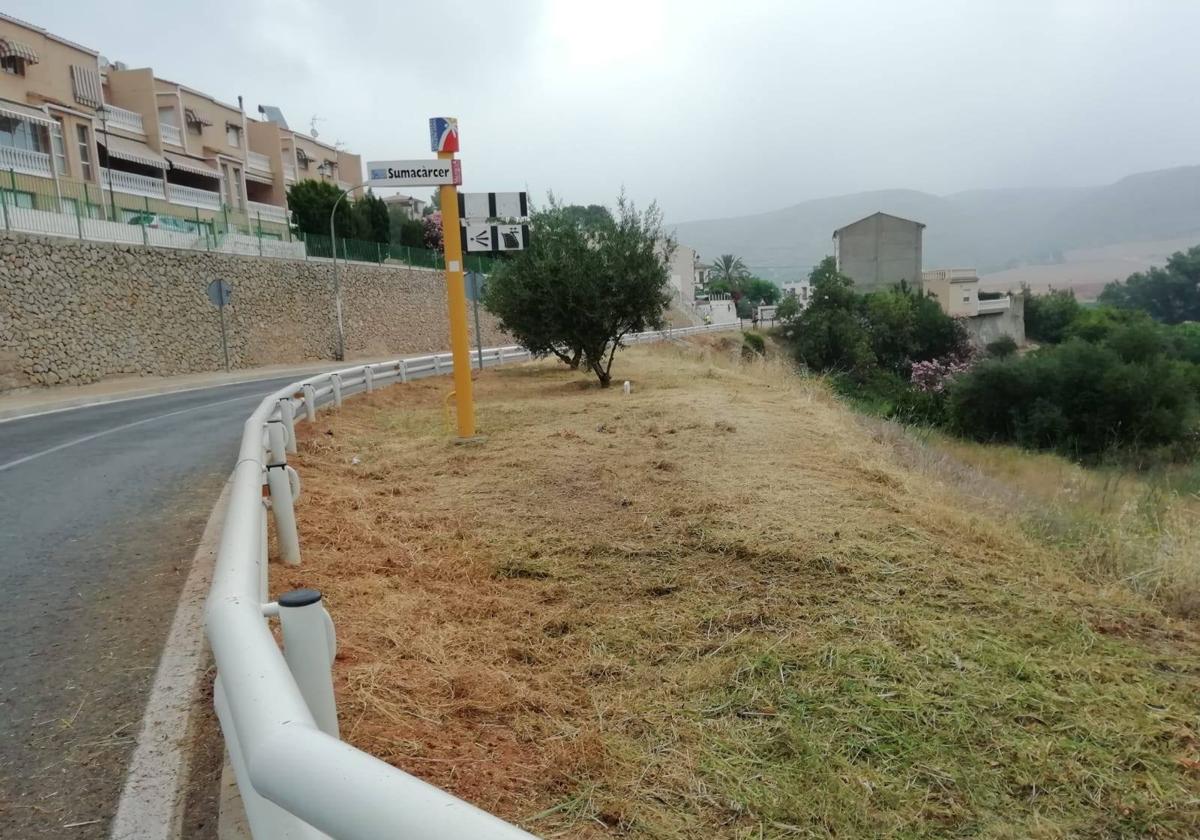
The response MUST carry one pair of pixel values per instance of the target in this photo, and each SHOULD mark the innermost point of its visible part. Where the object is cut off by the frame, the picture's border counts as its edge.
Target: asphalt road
(101, 509)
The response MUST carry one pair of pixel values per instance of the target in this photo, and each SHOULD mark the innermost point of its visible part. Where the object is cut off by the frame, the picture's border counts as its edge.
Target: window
(168, 115)
(85, 151)
(966, 298)
(233, 135)
(13, 65)
(59, 146)
(22, 134)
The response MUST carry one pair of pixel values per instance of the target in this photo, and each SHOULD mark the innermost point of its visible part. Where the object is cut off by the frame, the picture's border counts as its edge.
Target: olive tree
(578, 290)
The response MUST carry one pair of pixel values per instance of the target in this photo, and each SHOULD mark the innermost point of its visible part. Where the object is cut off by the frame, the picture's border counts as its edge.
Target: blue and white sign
(443, 134)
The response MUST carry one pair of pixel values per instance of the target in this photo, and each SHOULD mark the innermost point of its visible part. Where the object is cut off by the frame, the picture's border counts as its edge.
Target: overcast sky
(713, 109)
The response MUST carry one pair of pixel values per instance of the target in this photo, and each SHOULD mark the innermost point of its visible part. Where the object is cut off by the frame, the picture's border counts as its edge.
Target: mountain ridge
(988, 229)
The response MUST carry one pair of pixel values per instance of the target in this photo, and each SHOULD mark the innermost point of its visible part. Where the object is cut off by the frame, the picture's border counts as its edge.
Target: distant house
(683, 271)
(801, 290)
(879, 251)
(986, 318)
(410, 207)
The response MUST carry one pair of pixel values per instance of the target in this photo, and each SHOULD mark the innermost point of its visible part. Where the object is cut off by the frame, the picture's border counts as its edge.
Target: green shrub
(1080, 399)
(1003, 346)
(1048, 316)
(753, 344)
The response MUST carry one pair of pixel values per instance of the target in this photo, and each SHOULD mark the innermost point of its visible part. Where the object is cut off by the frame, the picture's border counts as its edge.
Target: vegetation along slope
(727, 606)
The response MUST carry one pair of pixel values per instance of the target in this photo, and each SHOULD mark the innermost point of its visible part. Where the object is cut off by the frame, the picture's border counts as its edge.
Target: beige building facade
(83, 137)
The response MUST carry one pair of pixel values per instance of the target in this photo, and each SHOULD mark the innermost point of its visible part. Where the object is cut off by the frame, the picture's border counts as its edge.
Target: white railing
(128, 182)
(951, 274)
(990, 307)
(26, 161)
(124, 118)
(192, 197)
(259, 162)
(170, 133)
(289, 171)
(296, 777)
(267, 212)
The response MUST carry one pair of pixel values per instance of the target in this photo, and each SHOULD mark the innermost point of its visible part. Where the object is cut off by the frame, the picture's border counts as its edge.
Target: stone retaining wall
(76, 311)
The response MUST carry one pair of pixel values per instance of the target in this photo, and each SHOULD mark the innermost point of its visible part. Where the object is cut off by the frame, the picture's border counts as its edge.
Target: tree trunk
(574, 363)
(601, 374)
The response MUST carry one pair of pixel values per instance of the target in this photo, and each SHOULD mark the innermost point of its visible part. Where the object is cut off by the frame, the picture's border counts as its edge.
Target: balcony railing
(122, 118)
(170, 133)
(25, 161)
(989, 307)
(289, 171)
(128, 182)
(266, 212)
(192, 197)
(258, 162)
(952, 274)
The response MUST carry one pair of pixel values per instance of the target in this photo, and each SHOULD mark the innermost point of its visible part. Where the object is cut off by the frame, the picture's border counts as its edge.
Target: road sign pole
(474, 275)
(456, 294)
(224, 337)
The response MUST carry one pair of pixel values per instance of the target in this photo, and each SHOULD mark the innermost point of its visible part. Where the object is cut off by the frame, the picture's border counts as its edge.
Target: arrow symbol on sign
(481, 238)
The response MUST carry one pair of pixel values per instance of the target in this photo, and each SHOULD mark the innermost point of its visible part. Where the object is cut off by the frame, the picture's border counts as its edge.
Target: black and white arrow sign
(482, 237)
(483, 207)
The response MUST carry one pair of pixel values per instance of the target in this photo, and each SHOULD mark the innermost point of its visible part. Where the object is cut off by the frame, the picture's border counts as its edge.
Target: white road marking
(121, 428)
(151, 805)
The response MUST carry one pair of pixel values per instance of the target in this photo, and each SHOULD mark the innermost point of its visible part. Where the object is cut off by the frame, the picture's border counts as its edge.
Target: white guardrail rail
(276, 707)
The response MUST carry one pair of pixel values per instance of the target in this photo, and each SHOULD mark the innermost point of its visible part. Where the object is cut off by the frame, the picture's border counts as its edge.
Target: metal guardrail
(276, 707)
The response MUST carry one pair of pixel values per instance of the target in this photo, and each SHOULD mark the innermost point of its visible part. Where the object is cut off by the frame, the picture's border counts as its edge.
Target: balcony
(953, 275)
(991, 307)
(258, 162)
(124, 119)
(131, 184)
(25, 161)
(267, 212)
(192, 197)
(171, 134)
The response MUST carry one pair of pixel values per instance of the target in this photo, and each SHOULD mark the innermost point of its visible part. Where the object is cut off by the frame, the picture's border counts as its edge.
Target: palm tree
(730, 269)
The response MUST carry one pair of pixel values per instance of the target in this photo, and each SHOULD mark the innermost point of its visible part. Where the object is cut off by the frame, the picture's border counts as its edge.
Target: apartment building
(103, 140)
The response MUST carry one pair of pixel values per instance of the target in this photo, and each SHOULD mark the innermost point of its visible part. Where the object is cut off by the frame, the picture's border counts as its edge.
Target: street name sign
(414, 173)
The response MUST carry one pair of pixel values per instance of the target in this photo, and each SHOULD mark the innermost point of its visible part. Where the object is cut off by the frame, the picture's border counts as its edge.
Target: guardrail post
(309, 648)
(437, 364)
(369, 378)
(403, 370)
(287, 415)
(282, 502)
(263, 560)
(310, 402)
(336, 381)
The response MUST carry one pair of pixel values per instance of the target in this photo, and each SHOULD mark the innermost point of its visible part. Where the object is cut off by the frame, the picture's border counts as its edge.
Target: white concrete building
(801, 290)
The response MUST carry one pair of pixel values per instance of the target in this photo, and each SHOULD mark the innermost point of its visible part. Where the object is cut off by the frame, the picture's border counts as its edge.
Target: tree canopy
(1170, 294)
(312, 201)
(577, 291)
(728, 269)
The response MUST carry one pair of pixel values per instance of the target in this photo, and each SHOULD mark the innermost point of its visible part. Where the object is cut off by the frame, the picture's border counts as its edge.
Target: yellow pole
(456, 296)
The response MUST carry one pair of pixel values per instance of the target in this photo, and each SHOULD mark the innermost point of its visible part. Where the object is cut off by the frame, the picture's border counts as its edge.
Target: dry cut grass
(721, 607)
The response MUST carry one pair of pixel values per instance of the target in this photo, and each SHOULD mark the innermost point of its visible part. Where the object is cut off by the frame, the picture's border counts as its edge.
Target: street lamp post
(112, 199)
(337, 280)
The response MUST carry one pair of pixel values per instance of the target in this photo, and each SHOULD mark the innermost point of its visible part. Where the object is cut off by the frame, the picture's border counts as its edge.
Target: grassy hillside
(988, 229)
(726, 607)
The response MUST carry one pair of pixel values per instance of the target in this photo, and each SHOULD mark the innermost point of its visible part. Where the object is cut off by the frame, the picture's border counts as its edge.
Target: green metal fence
(381, 252)
(69, 207)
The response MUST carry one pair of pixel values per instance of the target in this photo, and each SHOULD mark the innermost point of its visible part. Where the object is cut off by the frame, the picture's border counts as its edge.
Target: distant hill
(990, 230)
